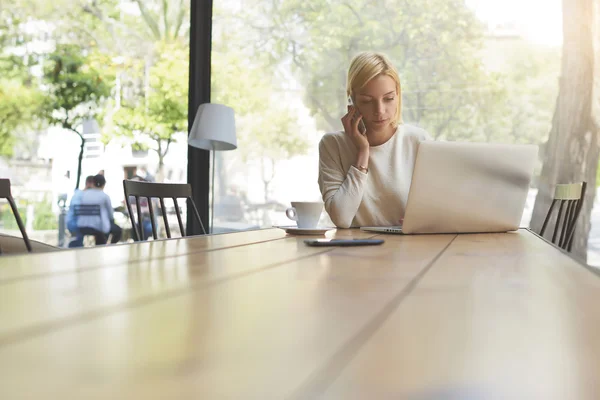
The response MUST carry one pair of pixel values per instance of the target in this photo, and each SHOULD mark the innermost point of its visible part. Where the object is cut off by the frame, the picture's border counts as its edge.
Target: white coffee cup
(305, 213)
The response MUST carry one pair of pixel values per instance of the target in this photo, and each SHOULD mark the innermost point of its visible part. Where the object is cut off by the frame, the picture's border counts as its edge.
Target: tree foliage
(74, 91)
(151, 118)
(437, 46)
(269, 59)
(20, 96)
(433, 43)
(268, 127)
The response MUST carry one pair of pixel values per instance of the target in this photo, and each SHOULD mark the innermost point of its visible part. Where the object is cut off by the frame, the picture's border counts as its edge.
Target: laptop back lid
(468, 187)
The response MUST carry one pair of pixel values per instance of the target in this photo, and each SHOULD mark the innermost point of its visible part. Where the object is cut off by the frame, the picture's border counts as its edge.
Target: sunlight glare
(538, 21)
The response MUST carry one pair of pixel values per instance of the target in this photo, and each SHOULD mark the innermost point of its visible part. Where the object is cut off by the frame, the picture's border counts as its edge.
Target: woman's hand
(350, 122)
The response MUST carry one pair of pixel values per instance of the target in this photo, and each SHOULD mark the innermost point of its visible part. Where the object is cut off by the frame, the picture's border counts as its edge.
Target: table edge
(593, 270)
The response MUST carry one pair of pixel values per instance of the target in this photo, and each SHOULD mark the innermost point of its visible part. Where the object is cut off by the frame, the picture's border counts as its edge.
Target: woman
(365, 177)
(102, 225)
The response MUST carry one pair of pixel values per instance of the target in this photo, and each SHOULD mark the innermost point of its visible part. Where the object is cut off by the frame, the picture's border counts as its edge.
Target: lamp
(213, 129)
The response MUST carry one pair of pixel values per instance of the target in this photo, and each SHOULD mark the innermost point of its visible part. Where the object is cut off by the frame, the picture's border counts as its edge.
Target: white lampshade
(213, 128)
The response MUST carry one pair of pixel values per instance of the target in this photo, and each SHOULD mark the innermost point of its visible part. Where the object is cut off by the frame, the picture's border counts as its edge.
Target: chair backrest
(89, 210)
(159, 191)
(571, 196)
(6, 194)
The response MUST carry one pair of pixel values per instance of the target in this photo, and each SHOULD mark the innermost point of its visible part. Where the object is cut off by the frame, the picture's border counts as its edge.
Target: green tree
(150, 104)
(44, 217)
(152, 120)
(528, 73)
(20, 97)
(267, 127)
(271, 136)
(435, 44)
(18, 107)
(74, 92)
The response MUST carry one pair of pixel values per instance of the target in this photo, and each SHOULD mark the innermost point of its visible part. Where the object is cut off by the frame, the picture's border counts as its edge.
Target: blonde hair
(366, 66)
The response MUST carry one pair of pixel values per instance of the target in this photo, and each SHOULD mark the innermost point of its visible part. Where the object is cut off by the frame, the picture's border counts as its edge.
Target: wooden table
(259, 315)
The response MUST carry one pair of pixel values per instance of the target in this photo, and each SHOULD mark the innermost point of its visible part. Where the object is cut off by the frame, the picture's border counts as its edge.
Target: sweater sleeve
(342, 191)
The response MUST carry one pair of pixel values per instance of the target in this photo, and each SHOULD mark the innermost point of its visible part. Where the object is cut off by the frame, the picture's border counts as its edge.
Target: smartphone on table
(342, 242)
(361, 124)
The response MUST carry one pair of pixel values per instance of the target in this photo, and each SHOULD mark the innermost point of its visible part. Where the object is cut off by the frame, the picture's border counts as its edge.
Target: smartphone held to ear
(361, 125)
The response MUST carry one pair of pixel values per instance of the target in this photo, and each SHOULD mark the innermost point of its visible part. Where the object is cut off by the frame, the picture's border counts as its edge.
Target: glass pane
(90, 88)
(475, 70)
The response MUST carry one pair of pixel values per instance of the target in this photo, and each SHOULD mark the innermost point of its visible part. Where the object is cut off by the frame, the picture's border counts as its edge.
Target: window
(108, 80)
(475, 70)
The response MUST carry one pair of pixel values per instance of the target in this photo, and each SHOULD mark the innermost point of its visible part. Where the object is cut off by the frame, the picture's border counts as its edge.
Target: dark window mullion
(199, 93)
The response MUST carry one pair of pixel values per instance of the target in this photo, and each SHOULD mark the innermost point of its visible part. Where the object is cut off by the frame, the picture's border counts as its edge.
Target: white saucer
(294, 230)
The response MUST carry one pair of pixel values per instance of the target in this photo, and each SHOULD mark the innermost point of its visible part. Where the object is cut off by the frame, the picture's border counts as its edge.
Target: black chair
(572, 196)
(6, 194)
(91, 210)
(160, 191)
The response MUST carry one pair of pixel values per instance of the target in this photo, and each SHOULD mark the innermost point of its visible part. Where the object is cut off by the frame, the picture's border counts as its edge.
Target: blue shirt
(102, 222)
(76, 199)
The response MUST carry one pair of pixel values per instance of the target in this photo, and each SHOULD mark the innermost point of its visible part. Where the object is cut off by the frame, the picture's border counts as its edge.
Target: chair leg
(165, 220)
(547, 217)
(576, 216)
(556, 226)
(136, 237)
(15, 211)
(177, 212)
(567, 222)
(197, 215)
(150, 208)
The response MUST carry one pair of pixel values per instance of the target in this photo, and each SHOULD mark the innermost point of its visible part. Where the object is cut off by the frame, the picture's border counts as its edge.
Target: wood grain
(247, 322)
(498, 316)
(55, 299)
(76, 260)
(261, 315)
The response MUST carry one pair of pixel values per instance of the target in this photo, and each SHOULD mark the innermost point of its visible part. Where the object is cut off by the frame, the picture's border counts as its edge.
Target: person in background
(99, 225)
(72, 218)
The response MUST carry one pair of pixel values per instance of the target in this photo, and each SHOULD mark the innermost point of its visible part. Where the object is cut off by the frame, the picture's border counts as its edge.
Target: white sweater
(378, 198)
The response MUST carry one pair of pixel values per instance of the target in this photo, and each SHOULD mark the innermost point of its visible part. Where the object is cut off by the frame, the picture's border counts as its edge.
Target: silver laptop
(467, 188)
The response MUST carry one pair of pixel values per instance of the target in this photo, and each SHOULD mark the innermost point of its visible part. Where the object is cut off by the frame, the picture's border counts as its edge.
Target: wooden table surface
(259, 315)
